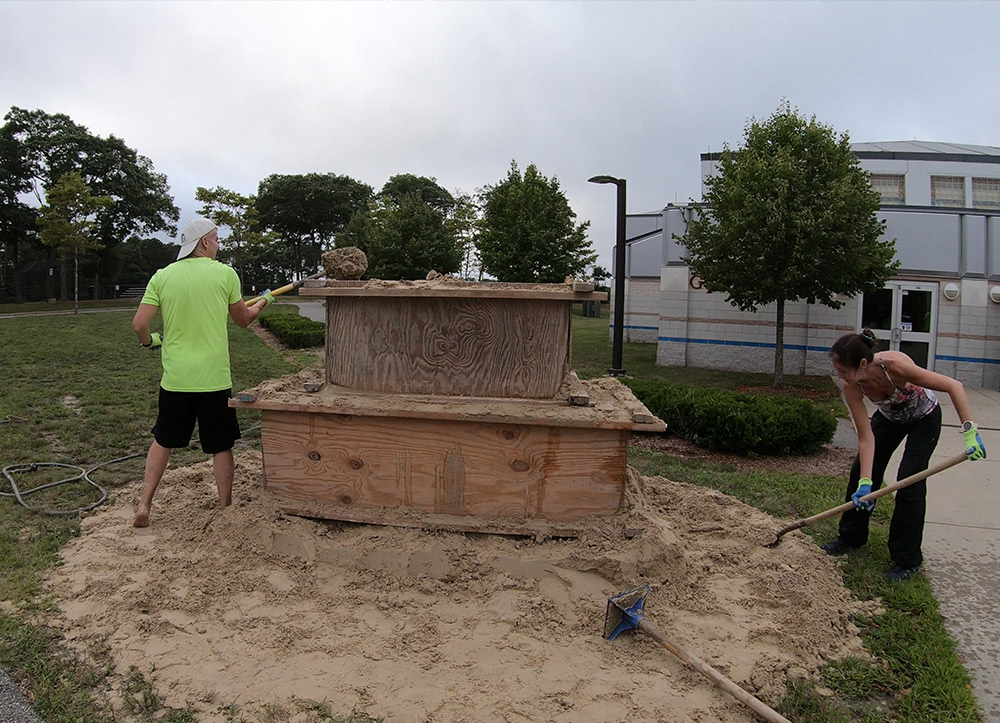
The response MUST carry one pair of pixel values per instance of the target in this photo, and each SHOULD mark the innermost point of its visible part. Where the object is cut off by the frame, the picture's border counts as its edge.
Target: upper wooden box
(480, 339)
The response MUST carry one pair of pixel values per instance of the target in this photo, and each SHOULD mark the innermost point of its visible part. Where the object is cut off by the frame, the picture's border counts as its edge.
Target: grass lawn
(78, 389)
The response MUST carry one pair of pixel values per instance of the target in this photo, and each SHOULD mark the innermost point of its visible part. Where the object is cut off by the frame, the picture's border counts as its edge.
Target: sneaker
(900, 573)
(836, 546)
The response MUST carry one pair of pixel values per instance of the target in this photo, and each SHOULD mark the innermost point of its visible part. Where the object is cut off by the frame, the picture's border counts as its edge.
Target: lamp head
(602, 179)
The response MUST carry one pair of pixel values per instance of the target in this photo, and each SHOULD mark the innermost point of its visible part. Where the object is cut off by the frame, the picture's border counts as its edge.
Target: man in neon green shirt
(195, 296)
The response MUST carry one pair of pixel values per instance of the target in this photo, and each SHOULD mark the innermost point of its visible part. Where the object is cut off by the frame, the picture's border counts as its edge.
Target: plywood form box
(448, 405)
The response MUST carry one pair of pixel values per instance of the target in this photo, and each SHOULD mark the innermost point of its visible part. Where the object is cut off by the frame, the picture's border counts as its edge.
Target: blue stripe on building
(643, 328)
(800, 347)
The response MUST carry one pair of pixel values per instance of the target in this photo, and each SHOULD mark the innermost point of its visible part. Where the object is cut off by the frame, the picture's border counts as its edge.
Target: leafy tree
(17, 227)
(464, 224)
(246, 240)
(67, 223)
(403, 239)
(38, 148)
(142, 203)
(17, 218)
(308, 211)
(598, 275)
(426, 188)
(789, 215)
(143, 257)
(528, 232)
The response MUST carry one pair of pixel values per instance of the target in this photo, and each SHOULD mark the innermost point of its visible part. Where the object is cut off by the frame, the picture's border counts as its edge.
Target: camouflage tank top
(905, 404)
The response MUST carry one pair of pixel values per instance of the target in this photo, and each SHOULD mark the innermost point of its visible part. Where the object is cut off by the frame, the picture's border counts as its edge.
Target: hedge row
(294, 331)
(745, 424)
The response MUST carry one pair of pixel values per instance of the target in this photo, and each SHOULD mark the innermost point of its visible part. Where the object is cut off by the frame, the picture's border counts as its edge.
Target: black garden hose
(83, 475)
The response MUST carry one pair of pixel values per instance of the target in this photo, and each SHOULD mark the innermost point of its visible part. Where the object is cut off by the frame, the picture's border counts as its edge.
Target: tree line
(75, 206)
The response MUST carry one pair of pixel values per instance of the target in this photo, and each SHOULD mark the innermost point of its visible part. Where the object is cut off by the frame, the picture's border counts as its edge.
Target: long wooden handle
(286, 288)
(912, 479)
(716, 677)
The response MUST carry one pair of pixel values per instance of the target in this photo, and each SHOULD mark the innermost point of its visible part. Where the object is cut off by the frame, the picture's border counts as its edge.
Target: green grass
(79, 389)
(36, 307)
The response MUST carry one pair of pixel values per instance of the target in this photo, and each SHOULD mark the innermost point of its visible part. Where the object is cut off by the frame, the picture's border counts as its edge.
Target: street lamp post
(619, 320)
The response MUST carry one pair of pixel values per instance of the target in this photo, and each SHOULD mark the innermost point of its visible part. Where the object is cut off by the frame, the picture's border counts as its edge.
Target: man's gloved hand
(268, 297)
(864, 488)
(974, 448)
(155, 340)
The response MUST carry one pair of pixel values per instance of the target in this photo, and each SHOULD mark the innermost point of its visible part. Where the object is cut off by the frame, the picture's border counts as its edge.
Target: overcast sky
(226, 93)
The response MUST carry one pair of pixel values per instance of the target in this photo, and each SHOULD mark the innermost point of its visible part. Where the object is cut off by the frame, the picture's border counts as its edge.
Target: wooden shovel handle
(912, 479)
(716, 677)
(286, 288)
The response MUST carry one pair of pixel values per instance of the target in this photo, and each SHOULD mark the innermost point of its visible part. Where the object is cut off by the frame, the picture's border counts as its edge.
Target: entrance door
(903, 317)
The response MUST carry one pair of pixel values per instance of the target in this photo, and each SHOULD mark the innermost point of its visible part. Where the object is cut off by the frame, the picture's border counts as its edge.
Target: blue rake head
(624, 611)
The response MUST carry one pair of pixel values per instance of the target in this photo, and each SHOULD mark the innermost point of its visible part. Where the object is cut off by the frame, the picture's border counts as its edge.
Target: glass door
(903, 316)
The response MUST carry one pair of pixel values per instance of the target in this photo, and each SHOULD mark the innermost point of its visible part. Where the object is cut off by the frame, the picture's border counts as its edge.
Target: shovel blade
(624, 611)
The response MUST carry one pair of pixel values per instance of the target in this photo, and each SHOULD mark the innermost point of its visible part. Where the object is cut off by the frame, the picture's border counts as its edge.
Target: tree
(17, 174)
(142, 203)
(143, 257)
(67, 223)
(528, 232)
(403, 239)
(308, 211)
(426, 188)
(598, 275)
(463, 221)
(246, 240)
(38, 148)
(790, 215)
(17, 227)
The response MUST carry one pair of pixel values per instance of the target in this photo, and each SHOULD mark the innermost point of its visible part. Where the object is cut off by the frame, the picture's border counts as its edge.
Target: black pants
(906, 531)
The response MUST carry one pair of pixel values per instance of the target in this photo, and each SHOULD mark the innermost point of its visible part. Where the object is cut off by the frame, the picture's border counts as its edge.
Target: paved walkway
(962, 546)
(315, 310)
(14, 707)
(962, 542)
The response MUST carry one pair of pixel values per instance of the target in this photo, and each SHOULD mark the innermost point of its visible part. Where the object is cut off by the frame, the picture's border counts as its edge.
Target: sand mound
(249, 606)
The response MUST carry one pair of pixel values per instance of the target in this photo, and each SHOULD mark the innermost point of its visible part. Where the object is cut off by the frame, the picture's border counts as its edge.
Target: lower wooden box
(466, 474)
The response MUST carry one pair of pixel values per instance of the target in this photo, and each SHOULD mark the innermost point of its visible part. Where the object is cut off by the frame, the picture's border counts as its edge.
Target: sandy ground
(250, 606)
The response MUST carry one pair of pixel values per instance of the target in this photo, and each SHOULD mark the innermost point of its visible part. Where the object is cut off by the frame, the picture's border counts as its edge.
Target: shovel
(625, 613)
(912, 479)
(287, 287)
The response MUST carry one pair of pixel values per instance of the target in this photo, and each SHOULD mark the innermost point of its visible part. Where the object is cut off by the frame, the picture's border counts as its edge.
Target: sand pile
(249, 606)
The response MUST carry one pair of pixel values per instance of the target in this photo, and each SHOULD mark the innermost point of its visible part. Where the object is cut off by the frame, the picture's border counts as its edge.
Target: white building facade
(940, 201)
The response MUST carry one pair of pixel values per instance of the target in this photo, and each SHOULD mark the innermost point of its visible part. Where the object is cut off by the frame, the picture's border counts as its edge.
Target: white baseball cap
(193, 233)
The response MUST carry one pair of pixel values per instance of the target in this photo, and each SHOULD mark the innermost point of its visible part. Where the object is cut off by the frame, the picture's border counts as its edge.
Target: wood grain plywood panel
(358, 464)
(480, 347)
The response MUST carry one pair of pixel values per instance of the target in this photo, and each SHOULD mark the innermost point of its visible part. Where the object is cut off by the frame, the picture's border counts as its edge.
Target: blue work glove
(864, 488)
(974, 448)
(268, 297)
(155, 340)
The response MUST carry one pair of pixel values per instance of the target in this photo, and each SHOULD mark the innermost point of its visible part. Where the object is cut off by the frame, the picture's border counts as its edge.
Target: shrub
(294, 331)
(747, 424)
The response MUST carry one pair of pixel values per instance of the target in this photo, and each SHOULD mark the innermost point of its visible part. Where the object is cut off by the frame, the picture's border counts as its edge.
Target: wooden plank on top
(515, 412)
(563, 293)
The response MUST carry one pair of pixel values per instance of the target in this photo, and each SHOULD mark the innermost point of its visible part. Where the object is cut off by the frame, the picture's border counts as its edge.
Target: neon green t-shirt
(194, 295)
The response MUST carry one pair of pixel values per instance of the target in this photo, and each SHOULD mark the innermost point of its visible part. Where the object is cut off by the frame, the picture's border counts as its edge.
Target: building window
(986, 193)
(890, 187)
(948, 191)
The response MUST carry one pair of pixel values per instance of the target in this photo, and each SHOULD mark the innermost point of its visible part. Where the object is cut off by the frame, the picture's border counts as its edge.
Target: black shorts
(218, 429)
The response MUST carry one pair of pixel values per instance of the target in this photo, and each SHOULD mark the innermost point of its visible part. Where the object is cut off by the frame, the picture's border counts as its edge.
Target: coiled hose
(84, 475)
